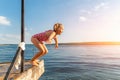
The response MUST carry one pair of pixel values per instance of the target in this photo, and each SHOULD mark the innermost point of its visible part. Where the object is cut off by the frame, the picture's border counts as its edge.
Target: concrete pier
(30, 73)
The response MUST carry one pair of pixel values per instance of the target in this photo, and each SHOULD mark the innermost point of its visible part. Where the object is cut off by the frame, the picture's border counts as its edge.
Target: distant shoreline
(92, 43)
(79, 43)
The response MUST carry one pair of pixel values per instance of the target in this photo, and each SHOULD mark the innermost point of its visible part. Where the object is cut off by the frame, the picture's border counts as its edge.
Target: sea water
(73, 62)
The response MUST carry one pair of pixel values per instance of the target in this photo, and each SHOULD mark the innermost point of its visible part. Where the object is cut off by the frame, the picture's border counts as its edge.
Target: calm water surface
(73, 62)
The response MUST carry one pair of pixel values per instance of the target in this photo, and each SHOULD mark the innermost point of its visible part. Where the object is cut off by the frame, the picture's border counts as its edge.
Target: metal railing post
(19, 50)
(22, 34)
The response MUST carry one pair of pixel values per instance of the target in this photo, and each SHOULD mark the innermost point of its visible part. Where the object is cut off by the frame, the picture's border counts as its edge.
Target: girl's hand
(56, 46)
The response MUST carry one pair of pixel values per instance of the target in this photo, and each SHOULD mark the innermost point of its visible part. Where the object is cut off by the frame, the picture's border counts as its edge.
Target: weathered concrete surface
(30, 73)
(3, 69)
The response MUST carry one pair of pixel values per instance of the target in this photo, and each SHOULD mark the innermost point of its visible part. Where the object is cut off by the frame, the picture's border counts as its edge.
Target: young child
(47, 37)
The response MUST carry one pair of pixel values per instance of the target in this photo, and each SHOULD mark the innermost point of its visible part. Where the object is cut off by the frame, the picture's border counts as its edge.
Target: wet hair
(56, 26)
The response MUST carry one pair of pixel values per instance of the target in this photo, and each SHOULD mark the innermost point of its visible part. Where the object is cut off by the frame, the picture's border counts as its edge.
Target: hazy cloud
(4, 21)
(10, 38)
(86, 11)
(87, 14)
(28, 29)
(101, 6)
(82, 18)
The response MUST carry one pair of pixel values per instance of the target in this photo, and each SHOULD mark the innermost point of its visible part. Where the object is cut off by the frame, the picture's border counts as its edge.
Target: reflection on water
(70, 62)
(83, 63)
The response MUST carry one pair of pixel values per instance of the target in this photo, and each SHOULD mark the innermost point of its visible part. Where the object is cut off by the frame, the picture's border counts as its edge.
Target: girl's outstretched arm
(51, 37)
(56, 42)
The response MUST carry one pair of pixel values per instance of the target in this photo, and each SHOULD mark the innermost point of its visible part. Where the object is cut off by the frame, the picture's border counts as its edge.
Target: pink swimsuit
(42, 36)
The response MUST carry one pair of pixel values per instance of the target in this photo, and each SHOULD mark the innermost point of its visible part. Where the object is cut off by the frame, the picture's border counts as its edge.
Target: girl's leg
(41, 52)
(46, 51)
(45, 48)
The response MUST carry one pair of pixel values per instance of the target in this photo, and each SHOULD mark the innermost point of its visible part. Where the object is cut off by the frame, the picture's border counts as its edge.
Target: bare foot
(37, 61)
(34, 63)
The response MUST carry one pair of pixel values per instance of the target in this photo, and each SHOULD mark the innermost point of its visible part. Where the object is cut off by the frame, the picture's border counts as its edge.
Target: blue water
(74, 62)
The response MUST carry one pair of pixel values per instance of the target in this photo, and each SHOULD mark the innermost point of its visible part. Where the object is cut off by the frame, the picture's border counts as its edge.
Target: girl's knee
(42, 51)
(46, 51)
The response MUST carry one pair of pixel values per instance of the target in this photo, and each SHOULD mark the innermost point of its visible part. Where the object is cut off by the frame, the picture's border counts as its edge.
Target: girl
(47, 37)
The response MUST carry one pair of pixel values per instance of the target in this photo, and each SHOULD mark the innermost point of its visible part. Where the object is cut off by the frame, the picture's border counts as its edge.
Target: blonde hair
(56, 26)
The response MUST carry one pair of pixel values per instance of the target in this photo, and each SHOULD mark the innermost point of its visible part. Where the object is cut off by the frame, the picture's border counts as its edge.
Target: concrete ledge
(32, 73)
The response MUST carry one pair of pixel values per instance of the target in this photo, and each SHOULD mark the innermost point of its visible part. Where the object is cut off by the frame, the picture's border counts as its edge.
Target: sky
(83, 20)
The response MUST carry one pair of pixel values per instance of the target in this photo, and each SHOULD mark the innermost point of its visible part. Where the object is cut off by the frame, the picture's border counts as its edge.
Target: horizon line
(83, 43)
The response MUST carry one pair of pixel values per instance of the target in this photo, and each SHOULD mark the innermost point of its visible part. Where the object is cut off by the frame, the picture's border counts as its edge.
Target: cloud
(9, 38)
(82, 18)
(86, 11)
(28, 29)
(4, 21)
(12, 36)
(100, 6)
(89, 14)
(15, 38)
